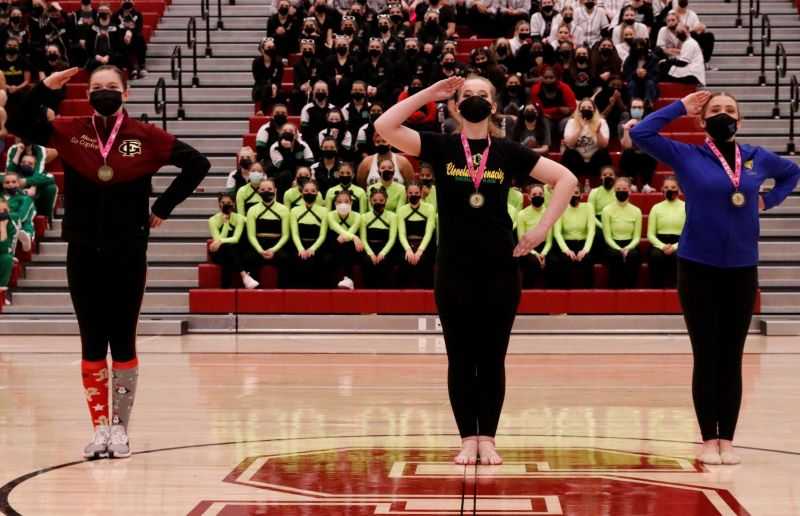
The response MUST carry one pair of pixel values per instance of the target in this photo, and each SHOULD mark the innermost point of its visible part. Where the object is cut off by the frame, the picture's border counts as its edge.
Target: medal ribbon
(105, 148)
(477, 175)
(734, 175)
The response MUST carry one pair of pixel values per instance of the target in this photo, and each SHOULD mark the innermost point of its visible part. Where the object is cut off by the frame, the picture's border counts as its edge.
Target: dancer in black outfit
(477, 284)
(109, 159)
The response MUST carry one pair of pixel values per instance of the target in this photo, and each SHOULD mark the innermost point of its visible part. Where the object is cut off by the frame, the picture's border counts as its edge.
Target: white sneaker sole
(95, 455)
(113, 455)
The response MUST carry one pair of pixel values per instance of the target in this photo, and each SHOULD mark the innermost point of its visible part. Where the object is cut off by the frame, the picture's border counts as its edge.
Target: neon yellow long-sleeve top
(246, 197)
(275, 211)
(576, 223)
(527, 219)
(348, 227)
(666, 218)
(622, 221)
(293, 197)
(226, 231)
(316, 215)
(396, 193)
(515, 198)
(407, 213)
(355, 191)
(599, 198)
(386, 220)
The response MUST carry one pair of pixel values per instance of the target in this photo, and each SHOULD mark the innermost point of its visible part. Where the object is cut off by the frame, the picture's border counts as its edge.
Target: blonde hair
(494, 128)
(594, 123)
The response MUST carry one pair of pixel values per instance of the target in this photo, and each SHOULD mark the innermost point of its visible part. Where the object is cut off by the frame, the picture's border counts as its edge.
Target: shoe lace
(100, 436)
(119, 436)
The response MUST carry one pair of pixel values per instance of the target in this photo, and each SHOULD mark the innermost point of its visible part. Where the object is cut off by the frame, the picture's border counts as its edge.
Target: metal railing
(191, 43)
(177, 74)
(766, 41)
(738, 22)
(766, 32)
(160, 105)
(781, 67)
(205, 15)
(794, 105)
(220, 25)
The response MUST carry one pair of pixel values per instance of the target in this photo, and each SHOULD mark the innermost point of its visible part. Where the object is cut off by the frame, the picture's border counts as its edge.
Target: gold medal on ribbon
(476, 200)
(738, 199)
(105, 173)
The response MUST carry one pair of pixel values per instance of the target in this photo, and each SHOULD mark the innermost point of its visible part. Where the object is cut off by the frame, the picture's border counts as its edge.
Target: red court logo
(424, 482)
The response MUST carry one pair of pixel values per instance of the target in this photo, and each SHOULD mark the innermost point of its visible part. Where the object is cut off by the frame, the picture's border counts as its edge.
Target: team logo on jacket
(130, 148)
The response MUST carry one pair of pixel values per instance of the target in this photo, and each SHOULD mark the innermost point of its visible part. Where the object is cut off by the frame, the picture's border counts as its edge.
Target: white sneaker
(346, 283)
(98, 447)
(634, 189)
(7, 295)
(118, 445)
(26, 240)
(648, 189)
(249, 282)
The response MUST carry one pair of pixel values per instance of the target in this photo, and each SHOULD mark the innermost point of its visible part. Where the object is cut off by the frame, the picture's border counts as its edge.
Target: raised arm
(390, 124)
(28, 120)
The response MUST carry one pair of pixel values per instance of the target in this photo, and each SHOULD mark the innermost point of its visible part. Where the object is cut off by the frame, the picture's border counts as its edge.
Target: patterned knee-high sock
(95, 385)
(124, 376)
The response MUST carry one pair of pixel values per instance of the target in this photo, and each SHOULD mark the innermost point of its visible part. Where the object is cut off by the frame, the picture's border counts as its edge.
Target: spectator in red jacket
(557, 100)
(425, 118)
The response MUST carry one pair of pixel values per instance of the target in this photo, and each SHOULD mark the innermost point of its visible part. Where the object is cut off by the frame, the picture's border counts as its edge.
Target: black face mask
(378, 207)
(629, 21)
(345, 180)
(721, 127)
(413, 90)
(348, 31)
(622, 196)
(605, 52)
(502, 51)
(308, 54)
(530, 115)
(396, 18)
(565, 54)
(320, 96)
(450, 65)
(15, 20)
(475, 109)
(524, 35)
(357, 96)
(683, 3)
(52, 58)
(127, 6)
(37, 11)
(670, 195)
(608, 183)
(411, 53)
(4, 216)
(537, 201)
(267, 197)
(581, 59)
(283, 10)
(104, 17)
(374, 116)
(629, 41)
(682, 36)
(382, 149)
(105, 102)
(302, 180)
(567, 19)
(245, 163)
(227, 209)
(279, 119)
(589, 5)
(11, 191)
(12, 51)
(341, 50)
(574, 200)
(309, 198)
(25, 170)
(426, 182)
(328, 154)
(547, 9)
(384, 28)
(374, 52)
(387, 175)
(287, 136)
(587, 114)
(413, 199)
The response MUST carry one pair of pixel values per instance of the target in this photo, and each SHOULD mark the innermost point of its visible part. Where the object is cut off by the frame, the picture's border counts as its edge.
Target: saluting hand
(694, 102)
(155, 221)
(57, 80)
(529, 241)
(446, 88)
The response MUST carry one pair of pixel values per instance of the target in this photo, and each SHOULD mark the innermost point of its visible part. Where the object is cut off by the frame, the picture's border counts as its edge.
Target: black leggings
(107, 286)
(229, 258)
(717, 307)
(477, 307)
(639, 165)
(623, 272)
(569, 274)
(664, 267)
(573, 160)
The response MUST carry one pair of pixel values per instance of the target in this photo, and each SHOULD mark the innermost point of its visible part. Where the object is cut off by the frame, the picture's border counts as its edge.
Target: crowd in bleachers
(572, 79)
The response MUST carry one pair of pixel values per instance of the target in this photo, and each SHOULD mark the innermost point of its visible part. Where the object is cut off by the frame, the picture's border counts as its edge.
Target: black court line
(5, 490)
(463, 491)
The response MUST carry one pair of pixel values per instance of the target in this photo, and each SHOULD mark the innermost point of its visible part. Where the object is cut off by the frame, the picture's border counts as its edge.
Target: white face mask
(343, 209)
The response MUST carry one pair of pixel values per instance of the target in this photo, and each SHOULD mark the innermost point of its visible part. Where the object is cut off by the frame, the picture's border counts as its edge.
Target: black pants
(638, 165)
(107, 287)
(663, 267)
(229, 257)
(312, 273)
(382, 275)
(344, 257)
(623, 272)
(253, 262)
(421, 274)
(534, 274)
(569, 274)
(717, 307)
(477, 307)
(575, 162)
(706, 42)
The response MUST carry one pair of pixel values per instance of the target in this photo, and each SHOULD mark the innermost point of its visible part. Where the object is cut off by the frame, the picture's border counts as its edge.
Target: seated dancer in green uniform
(28, 161)
(574, 234)
(309, 223)
(664, 228)
(600, 197)
(267, 234)
(21, 209)
(344, 242)
(293, 197)
(379, 233)
(538, 263)
(345, 175)
(416, 222)
(395, 192)
(622, 230)
(7, 244)
(247, 195)
(225, 249)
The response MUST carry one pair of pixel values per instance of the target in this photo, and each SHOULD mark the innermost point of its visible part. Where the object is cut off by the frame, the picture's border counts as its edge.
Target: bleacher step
(779, 327)
(60, 303)
(69, 326)
(192, 252)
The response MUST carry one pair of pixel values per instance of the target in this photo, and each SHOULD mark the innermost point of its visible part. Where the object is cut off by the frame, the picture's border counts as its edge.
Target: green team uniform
(599, 198)
(622, 229)
(513, 212)
(349, 227)
(396, 195)
(226, 231)
(344, 254)
(46, 189)
(268, 227)
(379, 234)
(575, 230)
(528, 219)
(7, 253)
(293, 197)
(247, 196)
(515, 198)
(22, 210)
(664, 226)
(228, 255)
(357, 194)
(415, 226)
(309, 230)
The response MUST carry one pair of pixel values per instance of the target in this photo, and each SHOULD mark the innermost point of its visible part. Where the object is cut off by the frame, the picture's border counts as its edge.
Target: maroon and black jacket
(97, 212)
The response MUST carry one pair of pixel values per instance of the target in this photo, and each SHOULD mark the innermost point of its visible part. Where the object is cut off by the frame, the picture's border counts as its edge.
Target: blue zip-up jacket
(716, 232)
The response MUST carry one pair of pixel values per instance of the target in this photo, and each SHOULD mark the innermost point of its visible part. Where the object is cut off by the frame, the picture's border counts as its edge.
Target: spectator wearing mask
(314, 115)
(592, 19)
(667, 39)
(369, 170)
(28, 163)
(247, 195)
(483, 63)
(416, 223)
(586, 139)
(391, 43)
(411, 63)
(365, 139)
(531, 130)
(269, 132)
(664, 227)
(401, 28)
(309, 225)
(541, 55)
(268, 232)
(522, 37)
(356, 112)
(447, 67)
(425, 118)
(286, 155)
(132, 46)
(579, 75)
(613, 102)
(395, 192)
(641, 72)
(324, 170)
(344, 241)
(574, 233)
(622, 230)
(15, 67)
(543, 20)
(688, 67)
(339, 70)
(85, 19)
(431, 32)
(689, 18)
(377, 72)
(7, 247)
(379, 234)
(624, 49)
(225, 229)
(644, 11)
(103, 44)
(345, 176)
(634, 163)
(557, 101)
(293, 197)
(534, 264)
(336, 129)
(445, 16)
(641, 31)
(21, 209)
(513, 97)
(565, 58)
(327, 19)
(240, 175)
(502, 55)
(427, 183)
(566, 19)
(284, 28)
(605, 61)
(55, 31)
(267, 70)
(308, 70)
(18, 29)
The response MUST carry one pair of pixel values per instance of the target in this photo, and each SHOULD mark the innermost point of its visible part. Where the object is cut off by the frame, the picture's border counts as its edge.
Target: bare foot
(709, 453)
(487, 452)
(727, 454)
(469, 451)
